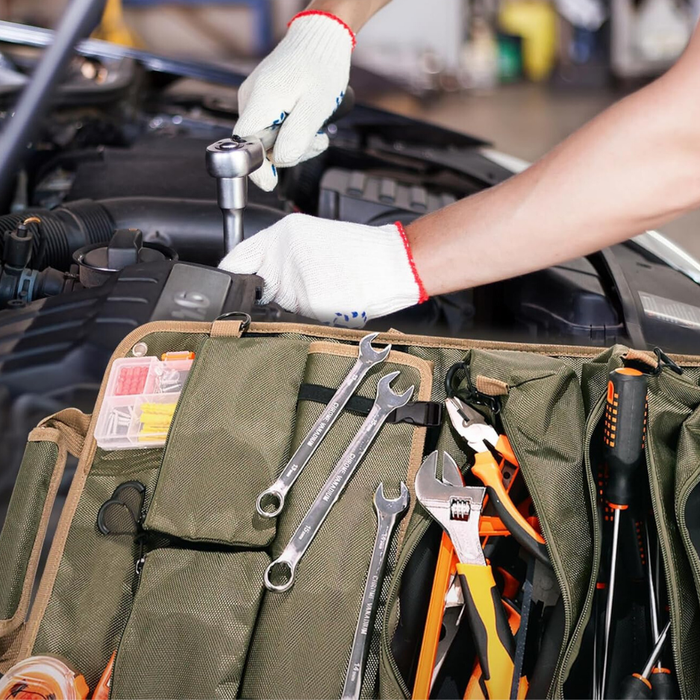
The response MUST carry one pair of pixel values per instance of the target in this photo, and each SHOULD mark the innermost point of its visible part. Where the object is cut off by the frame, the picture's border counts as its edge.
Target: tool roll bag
(183, 602)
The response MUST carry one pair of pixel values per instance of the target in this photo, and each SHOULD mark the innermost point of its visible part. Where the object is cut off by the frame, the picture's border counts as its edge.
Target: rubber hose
(193, 228)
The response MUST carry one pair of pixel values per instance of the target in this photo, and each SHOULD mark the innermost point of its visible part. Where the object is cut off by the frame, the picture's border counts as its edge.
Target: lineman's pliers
(478, 434)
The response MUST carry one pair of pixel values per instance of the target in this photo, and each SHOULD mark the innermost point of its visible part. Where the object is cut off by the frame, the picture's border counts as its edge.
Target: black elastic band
(421, 413)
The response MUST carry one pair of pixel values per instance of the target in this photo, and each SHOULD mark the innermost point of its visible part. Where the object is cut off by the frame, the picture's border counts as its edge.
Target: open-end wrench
(389, 511)
(271, 501)
(284, 567)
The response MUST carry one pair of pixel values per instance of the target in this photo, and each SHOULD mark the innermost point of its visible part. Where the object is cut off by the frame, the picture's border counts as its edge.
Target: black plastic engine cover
(69, 339)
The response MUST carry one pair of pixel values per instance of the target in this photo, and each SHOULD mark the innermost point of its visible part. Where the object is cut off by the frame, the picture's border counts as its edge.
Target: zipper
(410, 544)
(566, 661)
(690, 486)
(667, 558)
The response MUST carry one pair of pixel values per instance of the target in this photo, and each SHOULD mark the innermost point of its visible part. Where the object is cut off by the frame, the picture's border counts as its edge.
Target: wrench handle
(368, 609)
(329, 494)
(491, 632)
(271, 501)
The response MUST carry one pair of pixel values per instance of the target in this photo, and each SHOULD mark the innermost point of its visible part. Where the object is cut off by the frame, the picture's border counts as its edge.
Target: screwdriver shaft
(653, 611)
(609, 602)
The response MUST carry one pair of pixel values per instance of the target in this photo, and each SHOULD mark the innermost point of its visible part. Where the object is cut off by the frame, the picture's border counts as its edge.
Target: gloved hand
(300, 83)
(340, 273)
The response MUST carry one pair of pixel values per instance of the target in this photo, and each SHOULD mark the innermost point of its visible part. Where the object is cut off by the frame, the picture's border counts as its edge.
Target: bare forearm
(355, 13)
(635, 167)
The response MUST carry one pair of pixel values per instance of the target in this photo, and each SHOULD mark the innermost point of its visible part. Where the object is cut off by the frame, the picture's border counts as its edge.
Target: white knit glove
(340, 273)
(300, 83)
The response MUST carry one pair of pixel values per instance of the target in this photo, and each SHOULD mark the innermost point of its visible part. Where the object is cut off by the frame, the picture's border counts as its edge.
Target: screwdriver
(637, 686)
(624, 433)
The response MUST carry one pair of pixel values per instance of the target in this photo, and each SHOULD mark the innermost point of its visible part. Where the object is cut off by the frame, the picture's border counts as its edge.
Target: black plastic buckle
(426, 414)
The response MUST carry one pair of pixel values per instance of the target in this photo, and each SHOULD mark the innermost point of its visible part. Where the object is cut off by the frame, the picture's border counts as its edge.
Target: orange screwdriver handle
(489, 625)
(487, 471)
(433, 623)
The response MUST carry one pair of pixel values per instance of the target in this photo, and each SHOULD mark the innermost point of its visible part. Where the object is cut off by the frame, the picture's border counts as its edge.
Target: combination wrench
(389, 511)
(284, 567)
(271, 501)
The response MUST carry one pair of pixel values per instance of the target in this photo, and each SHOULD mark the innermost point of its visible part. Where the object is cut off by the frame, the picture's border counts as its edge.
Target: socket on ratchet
(389, 512)
(284, 567)
(271, 501)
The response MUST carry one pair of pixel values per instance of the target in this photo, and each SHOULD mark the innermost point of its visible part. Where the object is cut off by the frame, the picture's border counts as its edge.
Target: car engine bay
(113, 222)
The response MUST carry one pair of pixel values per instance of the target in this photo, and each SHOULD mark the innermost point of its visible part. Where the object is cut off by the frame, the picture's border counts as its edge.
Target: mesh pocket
(311, 626)
(190, 626)
(229, 441)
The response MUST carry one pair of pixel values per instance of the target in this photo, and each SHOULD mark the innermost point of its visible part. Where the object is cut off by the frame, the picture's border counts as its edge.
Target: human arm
(635, 167)
(632, 168)
(301, 83)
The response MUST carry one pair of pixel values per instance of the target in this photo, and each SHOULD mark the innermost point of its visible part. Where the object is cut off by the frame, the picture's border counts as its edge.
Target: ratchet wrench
(389, 511)
(284, 567)
(271, 501)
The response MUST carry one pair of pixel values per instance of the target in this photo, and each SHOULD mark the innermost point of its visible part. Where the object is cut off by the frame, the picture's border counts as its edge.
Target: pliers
(479, 435)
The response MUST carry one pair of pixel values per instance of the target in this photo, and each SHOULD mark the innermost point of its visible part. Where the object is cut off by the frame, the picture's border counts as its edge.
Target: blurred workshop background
(521, 73)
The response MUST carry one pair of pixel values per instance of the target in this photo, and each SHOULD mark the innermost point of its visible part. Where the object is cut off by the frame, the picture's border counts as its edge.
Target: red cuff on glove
(421, 289)
(308, 13)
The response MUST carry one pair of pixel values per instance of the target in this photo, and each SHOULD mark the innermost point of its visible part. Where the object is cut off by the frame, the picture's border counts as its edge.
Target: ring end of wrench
(270, 497)
(279, 587)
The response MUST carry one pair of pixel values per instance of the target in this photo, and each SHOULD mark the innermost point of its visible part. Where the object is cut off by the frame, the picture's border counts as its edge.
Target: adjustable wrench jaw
(456, 508)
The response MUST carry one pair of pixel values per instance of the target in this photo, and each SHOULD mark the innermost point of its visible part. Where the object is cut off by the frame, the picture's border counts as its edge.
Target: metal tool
(638, 685)
(624, 437)
(478, 434)
(284, 567)
(231, 160)
(446, 600)
(271, 501)
(389, 511)
(457, 510)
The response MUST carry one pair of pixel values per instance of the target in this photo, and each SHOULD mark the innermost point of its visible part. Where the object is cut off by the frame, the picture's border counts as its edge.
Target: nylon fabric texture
(198, 601)
(544, 419)
(93, 593)
(671, 401)
(22, 521)
(330, 578)
(230, 439)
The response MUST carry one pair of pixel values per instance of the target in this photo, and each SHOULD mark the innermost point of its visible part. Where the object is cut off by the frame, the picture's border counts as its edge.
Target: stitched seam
(407, 246)
(320, 13)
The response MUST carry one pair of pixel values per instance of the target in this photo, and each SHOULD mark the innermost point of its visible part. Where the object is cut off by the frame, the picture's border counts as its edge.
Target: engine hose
(192, 227)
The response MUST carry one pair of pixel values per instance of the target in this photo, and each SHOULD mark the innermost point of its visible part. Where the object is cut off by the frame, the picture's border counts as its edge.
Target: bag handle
(24, 531)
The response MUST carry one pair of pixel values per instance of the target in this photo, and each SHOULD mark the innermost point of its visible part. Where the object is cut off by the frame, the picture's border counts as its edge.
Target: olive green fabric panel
(92, 595)
(672, 399)
(543, 416)
(22, 521)
(688, 493)
(595, 375)
(229, 441)
(301, 647)
(190, 626)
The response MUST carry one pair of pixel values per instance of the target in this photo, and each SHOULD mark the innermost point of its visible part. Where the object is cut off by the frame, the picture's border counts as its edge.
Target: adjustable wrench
(271, 501)
(284, 567)
(389, 511)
